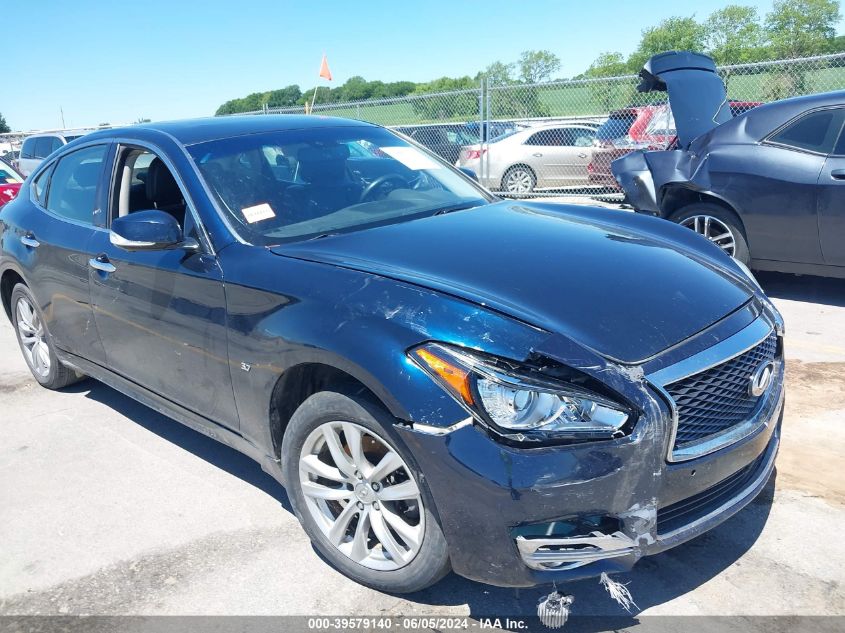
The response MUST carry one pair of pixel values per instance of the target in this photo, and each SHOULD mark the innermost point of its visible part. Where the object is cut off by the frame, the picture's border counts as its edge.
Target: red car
(650, 127)
(10, 182)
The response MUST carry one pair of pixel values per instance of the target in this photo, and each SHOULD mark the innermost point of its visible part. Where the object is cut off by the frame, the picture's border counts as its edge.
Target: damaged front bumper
(516, 516)
(712, 507)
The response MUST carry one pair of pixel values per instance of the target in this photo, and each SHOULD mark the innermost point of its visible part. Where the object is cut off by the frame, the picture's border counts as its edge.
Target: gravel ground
(109, 508)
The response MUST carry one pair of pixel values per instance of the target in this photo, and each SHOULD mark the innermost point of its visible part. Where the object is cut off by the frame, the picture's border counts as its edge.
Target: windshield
(616, 126)
(300, 184)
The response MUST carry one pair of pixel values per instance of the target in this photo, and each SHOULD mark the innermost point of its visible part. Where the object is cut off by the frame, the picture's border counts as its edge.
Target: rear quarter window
(28, 148)
(815, 132)
(615, 127)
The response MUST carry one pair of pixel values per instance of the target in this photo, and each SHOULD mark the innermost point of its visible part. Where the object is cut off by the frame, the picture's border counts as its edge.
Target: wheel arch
(674, 198)
(510, 168)
(300, 381)
(9, 278)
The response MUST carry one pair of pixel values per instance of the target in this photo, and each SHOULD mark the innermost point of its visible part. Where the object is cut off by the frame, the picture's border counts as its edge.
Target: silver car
(550, 156)
(37, 147)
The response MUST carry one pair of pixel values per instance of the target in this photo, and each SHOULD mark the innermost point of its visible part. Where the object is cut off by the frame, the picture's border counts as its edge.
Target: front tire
(35, 342)
(519, 179)
(359, 495)
(717, 224)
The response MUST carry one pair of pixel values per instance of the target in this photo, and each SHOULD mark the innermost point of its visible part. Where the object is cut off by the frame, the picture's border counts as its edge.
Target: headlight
(518, 404)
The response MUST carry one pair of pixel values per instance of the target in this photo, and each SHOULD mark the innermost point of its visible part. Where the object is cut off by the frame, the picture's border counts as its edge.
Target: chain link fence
(559, 138)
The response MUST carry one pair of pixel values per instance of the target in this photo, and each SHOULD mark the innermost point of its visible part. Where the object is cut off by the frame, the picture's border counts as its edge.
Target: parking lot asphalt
(107, 507)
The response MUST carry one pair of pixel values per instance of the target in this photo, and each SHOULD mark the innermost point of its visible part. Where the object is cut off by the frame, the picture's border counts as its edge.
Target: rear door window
(39, 187)
(73, 186)
(43, 146)
(557, 137)
(839, 149)
(816, 131)
(617, 126)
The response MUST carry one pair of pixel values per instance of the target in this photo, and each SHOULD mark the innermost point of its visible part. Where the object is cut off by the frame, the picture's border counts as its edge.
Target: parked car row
(447, 139)
(536, 157)
(767, 186)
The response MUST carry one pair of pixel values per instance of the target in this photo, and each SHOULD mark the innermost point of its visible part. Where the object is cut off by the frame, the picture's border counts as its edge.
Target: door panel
(775, 191)
(162, 319)
(59, 281)
(832, 210)
(67, 195)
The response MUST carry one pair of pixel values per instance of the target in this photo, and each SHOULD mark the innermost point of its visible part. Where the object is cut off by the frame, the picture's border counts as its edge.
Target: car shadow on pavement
(653, 581)
(212, 451)
(805, 288)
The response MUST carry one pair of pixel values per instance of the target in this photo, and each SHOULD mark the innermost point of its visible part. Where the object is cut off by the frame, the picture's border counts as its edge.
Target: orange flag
(325, 73)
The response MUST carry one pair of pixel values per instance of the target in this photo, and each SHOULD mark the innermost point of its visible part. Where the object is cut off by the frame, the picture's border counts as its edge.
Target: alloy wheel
(362, 495)
(32, 336)
(519, 181)
(714, 230)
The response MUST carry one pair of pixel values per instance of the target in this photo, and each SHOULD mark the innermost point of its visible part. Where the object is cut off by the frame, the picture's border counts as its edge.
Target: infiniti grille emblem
(761, 378)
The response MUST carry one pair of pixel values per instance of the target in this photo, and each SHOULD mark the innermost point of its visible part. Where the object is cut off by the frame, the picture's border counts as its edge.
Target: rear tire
(36, 343)
(719, 225)
(356, 528)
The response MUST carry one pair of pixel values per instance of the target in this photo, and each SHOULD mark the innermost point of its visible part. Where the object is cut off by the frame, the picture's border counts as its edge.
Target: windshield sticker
(411, 157)
(257, 213)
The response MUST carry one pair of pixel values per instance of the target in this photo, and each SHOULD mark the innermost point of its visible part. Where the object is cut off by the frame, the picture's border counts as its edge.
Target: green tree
(498, 74)
(287, 96)
(4, 127)
(672, 34)
(797, 28)
(446, 107)
(608, 65)
(611, 94)
(537, 66)
(734, 35)
(836, 44)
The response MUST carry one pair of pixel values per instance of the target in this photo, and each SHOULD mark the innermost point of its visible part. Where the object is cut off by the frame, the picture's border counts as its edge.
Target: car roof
(191, 131)
(759, 122)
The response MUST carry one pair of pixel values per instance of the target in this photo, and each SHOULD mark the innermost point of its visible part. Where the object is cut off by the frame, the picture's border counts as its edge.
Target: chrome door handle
(30, 241)
(537, 155)
(582, 156)
(102, 264)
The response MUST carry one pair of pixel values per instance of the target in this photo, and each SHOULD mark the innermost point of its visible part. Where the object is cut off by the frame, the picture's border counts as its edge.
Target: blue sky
(115, 61)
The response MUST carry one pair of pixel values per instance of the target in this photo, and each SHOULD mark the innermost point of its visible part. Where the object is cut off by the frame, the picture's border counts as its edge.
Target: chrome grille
(718, 398)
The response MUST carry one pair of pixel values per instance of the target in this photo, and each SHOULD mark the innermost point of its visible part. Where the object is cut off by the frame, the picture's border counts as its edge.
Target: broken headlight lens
(516, 403)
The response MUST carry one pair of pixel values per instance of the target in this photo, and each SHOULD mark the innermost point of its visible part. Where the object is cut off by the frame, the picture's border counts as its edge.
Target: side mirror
(468, 172)
(149, 231)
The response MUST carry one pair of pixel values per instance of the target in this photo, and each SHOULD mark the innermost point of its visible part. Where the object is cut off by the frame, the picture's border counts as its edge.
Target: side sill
(172, 410)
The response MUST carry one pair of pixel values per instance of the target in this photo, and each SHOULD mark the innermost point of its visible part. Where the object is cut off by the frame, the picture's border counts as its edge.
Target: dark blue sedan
(519, 392)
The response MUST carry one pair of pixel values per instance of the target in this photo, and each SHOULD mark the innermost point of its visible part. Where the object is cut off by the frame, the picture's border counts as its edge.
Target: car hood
(620, 283)
(696, 92)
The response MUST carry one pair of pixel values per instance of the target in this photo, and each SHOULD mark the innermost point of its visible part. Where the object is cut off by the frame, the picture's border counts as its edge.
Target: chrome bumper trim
(572, 552)
(430, 429)
(551, 554)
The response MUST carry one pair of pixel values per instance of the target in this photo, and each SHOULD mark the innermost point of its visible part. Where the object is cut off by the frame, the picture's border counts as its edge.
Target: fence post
(489, 120)
(481, 129)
